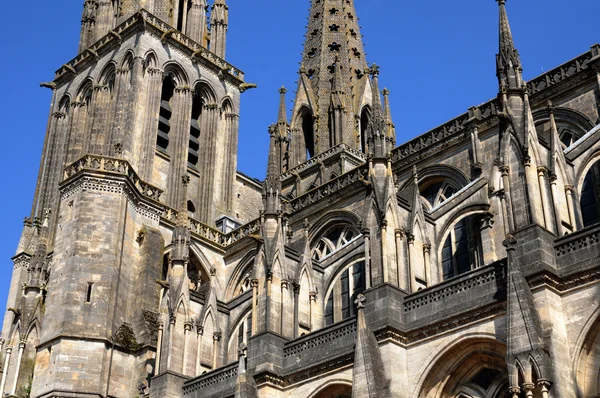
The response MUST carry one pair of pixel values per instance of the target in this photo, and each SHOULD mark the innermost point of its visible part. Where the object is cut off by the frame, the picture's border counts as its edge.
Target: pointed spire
(508, 61)
(272, 185)
(333, 60)
(369, 379)
(376, 130)
(391, 131)
(282, 118)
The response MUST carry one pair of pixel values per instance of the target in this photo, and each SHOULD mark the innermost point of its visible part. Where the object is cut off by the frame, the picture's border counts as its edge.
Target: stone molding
(146, 21)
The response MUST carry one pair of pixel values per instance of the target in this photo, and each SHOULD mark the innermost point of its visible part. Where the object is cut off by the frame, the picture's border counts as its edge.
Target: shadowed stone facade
(463, 263)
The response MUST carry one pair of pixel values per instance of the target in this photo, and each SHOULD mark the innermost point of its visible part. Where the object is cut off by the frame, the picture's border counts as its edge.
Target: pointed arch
(586, 362)
(177, 73)
(204, 89)
(243, 270)
(365, 119)
(460, 363)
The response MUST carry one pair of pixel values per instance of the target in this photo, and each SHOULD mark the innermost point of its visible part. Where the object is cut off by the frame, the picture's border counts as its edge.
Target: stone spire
(508, 61)
(387, 112)
(272, 185)
(219, 21)
(39, 262)
(333, 45)
(369, 378)
(283, 128)
(376, 131)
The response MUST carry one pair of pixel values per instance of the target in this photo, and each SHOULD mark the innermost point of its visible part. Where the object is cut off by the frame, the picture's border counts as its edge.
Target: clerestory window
(462, 249)
(333, 241)
(340, 303)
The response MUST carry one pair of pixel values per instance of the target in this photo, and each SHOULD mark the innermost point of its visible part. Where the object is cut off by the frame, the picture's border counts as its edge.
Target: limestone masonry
(464, 263)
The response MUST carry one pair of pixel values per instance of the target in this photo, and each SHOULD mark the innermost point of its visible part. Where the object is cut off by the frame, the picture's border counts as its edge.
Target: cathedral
(464, 263)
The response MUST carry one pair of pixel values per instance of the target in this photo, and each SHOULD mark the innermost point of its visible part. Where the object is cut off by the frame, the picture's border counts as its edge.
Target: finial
(282, 90)
(385, 92)
(374, 70)
(501, 2)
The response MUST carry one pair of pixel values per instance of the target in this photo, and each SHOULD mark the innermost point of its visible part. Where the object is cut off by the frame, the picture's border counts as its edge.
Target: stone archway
(472, 368)
(334, 391)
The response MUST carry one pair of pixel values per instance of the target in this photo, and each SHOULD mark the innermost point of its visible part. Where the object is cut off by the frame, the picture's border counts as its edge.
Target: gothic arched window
(194, 142)
(196, 273)
(165, 113)
(438, 191)
(462, 249)
(340, 302)
(590, 196)
(309, 134)
(240, 336)
(365, 116)
(335, 239)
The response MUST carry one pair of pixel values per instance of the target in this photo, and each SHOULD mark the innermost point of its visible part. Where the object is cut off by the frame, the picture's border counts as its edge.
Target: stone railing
(115, 166)
(322, 156)
(454, 129)
(333, 186)
(212, 234)
(584, 239)
(224, 374)
(321, 346)
(144, 17)
(322, 337)
(469, 281)
(560, 73)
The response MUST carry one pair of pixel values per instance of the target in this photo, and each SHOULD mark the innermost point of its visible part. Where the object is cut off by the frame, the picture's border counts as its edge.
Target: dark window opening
(364, 123)
(351, 283)
(309, 134)
(165, 113)
(88, 297)
(180, 12)
(590, 197)
(191, 209)
(194, 142)
(165, 267)
(462, 249)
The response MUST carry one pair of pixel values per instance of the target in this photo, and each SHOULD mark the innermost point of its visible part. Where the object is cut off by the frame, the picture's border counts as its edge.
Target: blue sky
(437, 58)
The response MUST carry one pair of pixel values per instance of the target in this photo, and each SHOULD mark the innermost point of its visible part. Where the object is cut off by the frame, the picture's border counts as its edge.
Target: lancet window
(438, 191)
(164, 117)
(334, 240)
(590, 196)
(340, 302)
(240, 336)
(462, 248)
(194, 141)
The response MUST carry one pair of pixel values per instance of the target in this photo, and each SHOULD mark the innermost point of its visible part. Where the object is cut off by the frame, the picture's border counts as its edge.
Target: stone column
(547, 206)
(187, 328)
(531, 181)
(284, 294)
(427, 262)
(571, 206)
(506, 198)
(413, 282)
(170, 348)
(254, 304)
(18, 367)
(154, 78)
(199, 335)
(514, 392)
(384, 262)
(399, 235)
(544, 386)
(269, 282)
(5, 374)
(312, 301)
(161, 326)
(296, 308)
(487, 239)
(528, 388)
(366, 234)
(216, 339)
(554, 194)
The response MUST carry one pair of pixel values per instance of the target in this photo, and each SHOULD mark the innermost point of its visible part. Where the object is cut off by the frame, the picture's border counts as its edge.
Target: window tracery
(462, 248)
(438, 191)
(334, 240)
(590, 196)
(339, 304)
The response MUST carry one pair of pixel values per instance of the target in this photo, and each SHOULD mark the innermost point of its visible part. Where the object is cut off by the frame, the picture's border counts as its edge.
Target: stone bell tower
(148, 99)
